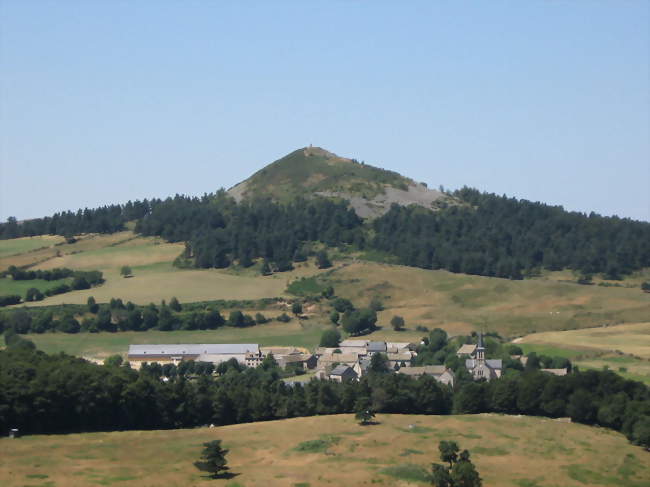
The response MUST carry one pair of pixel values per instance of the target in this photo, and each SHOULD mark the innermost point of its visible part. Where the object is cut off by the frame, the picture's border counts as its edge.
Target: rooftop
(424, 370)
(468, 349)
(194, 349)
(340, 370)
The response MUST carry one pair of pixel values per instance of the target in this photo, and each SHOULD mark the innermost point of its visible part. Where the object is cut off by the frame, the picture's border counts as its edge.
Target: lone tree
(461, 471)
(323, 260)
(126, 271)
(645, 286)
(296, 308)
(397, 322)
(363, 411)
(213, 459)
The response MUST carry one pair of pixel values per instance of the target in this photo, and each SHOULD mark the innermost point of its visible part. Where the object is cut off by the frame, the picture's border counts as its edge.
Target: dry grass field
(624, 349)
(633, 338)
(155, 278)
(461, 303)
(84, 243)
(333, 451)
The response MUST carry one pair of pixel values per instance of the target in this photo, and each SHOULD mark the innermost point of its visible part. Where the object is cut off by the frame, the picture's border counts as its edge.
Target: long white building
(205, 352)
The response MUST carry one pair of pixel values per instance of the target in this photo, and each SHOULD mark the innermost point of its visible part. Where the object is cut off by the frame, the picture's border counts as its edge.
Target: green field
(624, 349)
(100, 345)
(508, 451)
(9, 286)
(27, 244)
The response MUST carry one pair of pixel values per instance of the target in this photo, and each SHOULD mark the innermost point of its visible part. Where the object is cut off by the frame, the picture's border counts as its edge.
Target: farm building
(376, 347)
(207, 352)
(305, 360)
(439, 372)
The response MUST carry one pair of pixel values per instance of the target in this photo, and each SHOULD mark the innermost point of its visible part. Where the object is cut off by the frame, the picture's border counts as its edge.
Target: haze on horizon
(102, 102)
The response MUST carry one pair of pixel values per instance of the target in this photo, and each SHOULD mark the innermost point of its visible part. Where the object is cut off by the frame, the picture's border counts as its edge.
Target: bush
(9, 299)
(330, 338)
(33, 294)
(397, 322)
(284, 318)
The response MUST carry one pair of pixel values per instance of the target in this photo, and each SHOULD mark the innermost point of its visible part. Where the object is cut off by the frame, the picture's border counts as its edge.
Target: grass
(624, 349)
(461, 303)
(101, 345)
(27, 244)
(303, 451)
(310, 170)
(632, 338)
(9, 286)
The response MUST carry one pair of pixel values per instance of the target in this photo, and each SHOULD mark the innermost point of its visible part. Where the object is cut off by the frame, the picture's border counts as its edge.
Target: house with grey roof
(480, 367)
(342, 373)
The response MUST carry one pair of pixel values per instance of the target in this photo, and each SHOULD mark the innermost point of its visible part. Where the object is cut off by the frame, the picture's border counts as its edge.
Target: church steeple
(480, 349)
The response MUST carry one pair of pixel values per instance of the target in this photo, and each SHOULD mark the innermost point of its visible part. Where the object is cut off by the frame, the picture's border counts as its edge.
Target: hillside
(509, 451)
(314, 171)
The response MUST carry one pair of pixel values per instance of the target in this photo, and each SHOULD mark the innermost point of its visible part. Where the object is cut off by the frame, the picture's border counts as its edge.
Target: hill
(333, 450)
(314, 171)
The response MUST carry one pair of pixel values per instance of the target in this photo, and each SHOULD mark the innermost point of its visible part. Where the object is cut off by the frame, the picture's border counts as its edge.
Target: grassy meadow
(333, 450)
(461, 303)
(9, 286)
(101, 345)
(624, 349)
(27, 244)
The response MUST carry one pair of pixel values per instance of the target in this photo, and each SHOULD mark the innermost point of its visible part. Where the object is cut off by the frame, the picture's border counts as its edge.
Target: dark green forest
(41, 393)
(487, 235)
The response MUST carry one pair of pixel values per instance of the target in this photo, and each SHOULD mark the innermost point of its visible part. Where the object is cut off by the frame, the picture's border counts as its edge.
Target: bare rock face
(416, 194)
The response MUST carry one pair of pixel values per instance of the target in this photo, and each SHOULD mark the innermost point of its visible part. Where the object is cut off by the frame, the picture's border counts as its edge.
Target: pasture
(461, 303)
(333, 451)
(23, 245)
(101, 345)
(9, 286)
(624, 349)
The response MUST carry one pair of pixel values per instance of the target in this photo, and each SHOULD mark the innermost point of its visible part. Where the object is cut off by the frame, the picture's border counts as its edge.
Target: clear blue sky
(106, 101)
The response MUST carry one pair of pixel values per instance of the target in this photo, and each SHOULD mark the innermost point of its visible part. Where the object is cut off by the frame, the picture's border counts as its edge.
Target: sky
(108, 101)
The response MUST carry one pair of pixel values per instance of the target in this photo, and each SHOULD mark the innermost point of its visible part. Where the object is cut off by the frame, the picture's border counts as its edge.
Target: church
(479, 367)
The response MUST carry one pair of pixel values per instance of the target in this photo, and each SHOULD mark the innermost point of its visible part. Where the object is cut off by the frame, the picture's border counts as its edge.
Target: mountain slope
(314, 171)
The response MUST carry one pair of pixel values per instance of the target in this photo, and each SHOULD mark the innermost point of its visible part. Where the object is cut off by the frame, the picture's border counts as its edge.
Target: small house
(342, 373)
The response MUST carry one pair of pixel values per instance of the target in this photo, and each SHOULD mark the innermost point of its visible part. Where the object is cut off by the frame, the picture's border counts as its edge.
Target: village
(349, 361)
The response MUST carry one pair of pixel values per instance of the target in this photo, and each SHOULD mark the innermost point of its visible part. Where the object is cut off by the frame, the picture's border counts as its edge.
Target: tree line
(486, 234)
(80, 280)
(117, 316)
(42, 393)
